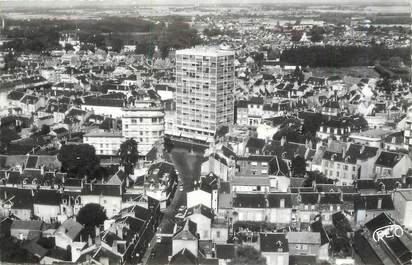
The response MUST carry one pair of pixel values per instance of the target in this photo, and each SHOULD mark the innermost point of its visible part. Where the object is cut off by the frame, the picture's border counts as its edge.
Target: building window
(217, 234)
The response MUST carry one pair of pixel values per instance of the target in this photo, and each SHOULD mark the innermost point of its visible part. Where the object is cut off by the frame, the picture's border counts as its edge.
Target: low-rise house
(107, 195)
(203, 217)
(390, 164)
(26, 230)
(275, 248)
(46, 205)
(250, 206)
(303, 243)
(402, 202)
(67, 233)
(279, 208)
(369, 206)
(161, 183)
(338, 129)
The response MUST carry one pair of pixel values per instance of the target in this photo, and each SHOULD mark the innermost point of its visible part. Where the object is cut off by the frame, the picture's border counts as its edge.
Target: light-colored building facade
(205, 79)
(144, 122)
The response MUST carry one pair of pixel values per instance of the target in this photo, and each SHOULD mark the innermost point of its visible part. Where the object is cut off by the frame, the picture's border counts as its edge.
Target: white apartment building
(205, 78)
(142, 119)
(105, 143)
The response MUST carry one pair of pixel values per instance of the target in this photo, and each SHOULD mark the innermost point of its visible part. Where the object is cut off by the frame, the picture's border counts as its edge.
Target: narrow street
(188, 165)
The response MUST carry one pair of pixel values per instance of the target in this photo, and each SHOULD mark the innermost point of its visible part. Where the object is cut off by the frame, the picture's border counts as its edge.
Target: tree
(45, 129)
(316, 176)
(298, 166)
(68, 47)
(168, 144)
(129, 155)
(117, 44)
(247, 255)
(296, 35)
(222, 131)
(6, 136)
(78, 160)
(91, 215)
(317, 34)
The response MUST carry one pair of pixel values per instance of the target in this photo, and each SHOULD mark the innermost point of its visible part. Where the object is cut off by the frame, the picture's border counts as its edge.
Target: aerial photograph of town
(205, 132)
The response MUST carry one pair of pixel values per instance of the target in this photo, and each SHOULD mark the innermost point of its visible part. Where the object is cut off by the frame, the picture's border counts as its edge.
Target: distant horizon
(57, 3)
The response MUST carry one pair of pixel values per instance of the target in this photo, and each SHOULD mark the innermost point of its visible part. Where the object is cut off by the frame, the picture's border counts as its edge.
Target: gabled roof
(70, 228)
(184, 257)
(388, 159)
(187, 231)
(200, 209)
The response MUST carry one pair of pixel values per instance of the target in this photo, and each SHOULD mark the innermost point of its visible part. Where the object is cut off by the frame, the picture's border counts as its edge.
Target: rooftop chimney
(379, 203)
(283, 141)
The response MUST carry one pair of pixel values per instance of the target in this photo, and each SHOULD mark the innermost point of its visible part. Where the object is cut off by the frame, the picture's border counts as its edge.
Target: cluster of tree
(341, 56)
(212, 32)
(316, 176)
(6, 136)
(340, 242)
(129, 155)
(43, 34)
(80, 160)
(247, 255)
(91, 215)
(177, 35)
(316, 34)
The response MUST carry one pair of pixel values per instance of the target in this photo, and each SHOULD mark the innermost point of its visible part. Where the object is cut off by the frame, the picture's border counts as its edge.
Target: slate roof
(47, 197)
(184, 257)
(273, 242)
(101, 101)
(308, 197)
(395, 244)
(388, 159)
(102, 189)
(287, 151)
(274, 200)
(71, 228)
(225, 251)
(200, 209)
(370, 202)
(26, 225)
(187, 231)
(330, 198)
(245, 200)
(318, 227)
(360, 152)
(303, 238)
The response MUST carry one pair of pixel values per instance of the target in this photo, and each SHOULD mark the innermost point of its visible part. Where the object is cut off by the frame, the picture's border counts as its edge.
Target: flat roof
(206, 51)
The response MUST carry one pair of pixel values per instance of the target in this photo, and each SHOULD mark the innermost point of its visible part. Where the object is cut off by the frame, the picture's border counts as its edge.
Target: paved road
(188, 164)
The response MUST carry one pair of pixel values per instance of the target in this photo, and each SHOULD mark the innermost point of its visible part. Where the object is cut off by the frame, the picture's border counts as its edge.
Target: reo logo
(388, 231)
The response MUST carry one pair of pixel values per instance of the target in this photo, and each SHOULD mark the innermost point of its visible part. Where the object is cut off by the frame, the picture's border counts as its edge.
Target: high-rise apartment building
(205, 79)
